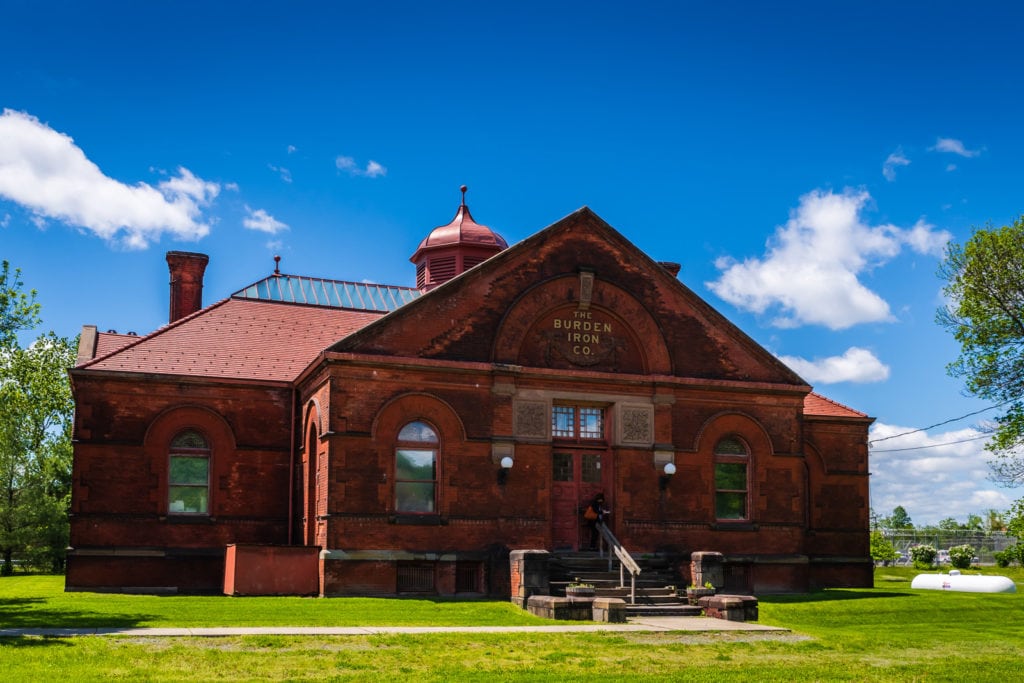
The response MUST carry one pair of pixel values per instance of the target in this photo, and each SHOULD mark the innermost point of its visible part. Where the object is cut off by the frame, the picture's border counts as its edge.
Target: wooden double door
(578, 475)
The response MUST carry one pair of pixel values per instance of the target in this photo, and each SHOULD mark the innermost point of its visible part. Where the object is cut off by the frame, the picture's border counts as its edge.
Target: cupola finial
(463, 189)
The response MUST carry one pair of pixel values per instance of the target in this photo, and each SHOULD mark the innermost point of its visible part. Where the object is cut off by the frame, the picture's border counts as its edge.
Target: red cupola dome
(452, 249)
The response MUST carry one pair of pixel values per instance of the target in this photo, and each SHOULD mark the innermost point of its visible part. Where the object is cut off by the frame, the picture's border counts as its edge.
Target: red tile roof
(237, 339)
(816, 404)
(108, 342)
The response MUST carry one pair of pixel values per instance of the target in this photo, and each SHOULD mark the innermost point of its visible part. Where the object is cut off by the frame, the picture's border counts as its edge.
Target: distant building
(415, 436)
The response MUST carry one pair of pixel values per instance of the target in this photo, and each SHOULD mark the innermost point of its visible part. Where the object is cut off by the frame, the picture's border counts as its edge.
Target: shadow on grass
(18, 642)
(29, 613)
(831, 595)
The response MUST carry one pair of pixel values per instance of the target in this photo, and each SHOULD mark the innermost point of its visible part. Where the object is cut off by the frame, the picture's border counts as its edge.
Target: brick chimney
(187, 270)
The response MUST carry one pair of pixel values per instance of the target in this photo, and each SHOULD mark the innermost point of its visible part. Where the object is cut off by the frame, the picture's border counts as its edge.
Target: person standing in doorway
(595, 514)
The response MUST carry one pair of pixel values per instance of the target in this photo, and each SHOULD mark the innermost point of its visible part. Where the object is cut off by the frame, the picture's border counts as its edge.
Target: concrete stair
(656, 585)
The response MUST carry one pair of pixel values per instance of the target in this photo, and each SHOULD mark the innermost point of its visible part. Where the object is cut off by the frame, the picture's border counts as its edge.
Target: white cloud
(349, 165)
(291, 149)
(5, 221)
(44, 171)
(811, 265)
(897, 158)
(937, 481)
(263, 221)
(954, 146)
(233, 187)
(855, 365)
(285, 174)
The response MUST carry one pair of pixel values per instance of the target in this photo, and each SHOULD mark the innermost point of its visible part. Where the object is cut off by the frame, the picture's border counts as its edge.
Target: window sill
(188, 519)
(738, 525)
(408, 519)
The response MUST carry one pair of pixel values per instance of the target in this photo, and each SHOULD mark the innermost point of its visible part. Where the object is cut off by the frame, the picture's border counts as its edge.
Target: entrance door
(577, 476)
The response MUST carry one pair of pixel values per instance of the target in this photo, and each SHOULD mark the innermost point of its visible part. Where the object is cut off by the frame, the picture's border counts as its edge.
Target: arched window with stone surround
(732, 460)
(416, 468)
(188, 481)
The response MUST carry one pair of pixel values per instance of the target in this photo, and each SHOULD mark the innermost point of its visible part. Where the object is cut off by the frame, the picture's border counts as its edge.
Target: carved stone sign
(582, 337)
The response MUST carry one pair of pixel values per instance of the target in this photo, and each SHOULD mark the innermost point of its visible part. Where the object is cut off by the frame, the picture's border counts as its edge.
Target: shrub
(1003, 558)
(960, 556)
(923, 556)
(881, 549)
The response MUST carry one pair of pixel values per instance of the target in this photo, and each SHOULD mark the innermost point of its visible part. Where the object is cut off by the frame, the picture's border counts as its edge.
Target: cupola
(452, 249)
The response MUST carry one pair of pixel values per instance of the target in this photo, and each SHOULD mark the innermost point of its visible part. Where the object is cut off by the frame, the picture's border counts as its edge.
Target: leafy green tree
(899, 519)
(18, 309)
(985, 313)
(1015, 527)
(35, 434)
(994, 521)
(949, 524)
(882, 550)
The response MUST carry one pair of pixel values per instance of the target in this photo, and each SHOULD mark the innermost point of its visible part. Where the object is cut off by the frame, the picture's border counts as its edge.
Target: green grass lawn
(888, 633)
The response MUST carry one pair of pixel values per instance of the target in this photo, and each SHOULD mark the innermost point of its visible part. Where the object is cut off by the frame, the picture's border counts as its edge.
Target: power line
(939, 424)
(921, 448)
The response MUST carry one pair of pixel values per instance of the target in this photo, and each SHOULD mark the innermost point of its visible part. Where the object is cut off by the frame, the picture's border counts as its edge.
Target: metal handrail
(626, 560)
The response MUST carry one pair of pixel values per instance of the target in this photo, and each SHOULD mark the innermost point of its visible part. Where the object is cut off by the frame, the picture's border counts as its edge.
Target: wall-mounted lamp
(665, 478)
(506, 465)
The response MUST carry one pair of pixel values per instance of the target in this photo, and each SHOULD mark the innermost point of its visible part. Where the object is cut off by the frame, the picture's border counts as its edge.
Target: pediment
(574, 296)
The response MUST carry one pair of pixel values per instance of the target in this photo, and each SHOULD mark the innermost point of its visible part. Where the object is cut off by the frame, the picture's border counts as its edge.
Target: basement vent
(415, 577)
(467, 577)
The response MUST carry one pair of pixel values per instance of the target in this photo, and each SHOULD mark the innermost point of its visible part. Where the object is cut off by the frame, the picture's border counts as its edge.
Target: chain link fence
(985, 544)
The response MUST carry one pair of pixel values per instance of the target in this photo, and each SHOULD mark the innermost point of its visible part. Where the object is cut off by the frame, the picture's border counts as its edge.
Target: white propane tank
(955, 581)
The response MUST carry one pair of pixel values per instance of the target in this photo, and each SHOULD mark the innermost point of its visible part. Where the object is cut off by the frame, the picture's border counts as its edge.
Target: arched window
(416, 468)
(731, 460)
(188, 481)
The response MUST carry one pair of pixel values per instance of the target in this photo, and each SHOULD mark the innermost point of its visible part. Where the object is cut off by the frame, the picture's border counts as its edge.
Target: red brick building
(414, 436)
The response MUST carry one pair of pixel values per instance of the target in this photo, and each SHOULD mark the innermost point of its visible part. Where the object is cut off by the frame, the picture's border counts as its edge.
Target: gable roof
(553, 252)
(818, 405)
(237, 339)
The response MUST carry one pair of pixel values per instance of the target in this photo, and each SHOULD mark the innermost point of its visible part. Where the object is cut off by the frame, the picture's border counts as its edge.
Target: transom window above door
(577, 423)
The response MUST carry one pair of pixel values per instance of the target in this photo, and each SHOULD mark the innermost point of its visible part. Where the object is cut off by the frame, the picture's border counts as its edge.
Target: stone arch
(219, 437)
(523, 327)
(314, 413)
(733, 422)
(414, 405)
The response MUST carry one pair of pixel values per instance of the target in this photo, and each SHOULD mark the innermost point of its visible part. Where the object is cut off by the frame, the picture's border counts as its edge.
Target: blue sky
(805, 162)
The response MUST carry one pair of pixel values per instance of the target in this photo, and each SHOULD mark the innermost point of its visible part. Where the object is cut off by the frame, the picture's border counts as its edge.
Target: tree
(899, 519)
(985, 313)
(18, 310)
(882, 550)
(35, 434)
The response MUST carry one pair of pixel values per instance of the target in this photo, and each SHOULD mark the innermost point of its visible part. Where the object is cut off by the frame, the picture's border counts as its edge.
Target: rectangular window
(561, 466)
(415, 474)
(730, 490)
(563, 422)
(577, 423)
(591, 468)
(189, 485)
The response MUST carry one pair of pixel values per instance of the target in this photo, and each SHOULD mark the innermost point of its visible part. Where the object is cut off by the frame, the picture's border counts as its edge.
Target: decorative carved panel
(531, 419)
(636, 425)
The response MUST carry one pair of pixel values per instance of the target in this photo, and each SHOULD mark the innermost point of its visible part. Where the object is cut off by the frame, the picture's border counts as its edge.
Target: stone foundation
(730, 607)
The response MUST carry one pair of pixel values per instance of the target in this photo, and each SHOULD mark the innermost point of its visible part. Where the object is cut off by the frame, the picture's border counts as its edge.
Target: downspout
(291, 472)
